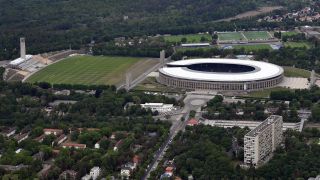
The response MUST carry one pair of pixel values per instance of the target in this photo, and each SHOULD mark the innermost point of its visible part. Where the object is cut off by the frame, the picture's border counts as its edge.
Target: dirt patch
(262, 10)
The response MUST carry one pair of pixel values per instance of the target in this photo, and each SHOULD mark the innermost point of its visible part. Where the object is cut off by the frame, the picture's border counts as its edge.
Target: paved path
(192, 102)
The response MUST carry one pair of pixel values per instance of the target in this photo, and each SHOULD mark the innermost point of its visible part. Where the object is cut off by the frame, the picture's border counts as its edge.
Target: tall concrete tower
(162, 57)
(23, 48)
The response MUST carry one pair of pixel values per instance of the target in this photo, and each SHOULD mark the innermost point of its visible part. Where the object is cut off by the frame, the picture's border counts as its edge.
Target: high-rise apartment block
(260, 142)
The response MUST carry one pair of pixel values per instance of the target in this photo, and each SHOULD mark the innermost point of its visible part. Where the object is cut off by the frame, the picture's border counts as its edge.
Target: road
(192, 102)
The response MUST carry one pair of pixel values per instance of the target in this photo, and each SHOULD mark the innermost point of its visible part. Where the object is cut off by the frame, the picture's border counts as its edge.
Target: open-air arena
(221, 74)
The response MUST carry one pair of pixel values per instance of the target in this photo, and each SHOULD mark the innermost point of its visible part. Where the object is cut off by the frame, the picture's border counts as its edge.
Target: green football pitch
(247, 35)
(257, 35)
(230, 36)
(86, 70)
(191, 38)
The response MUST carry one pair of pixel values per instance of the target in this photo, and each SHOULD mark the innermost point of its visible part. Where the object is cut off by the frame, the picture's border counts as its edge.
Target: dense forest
(53, 25)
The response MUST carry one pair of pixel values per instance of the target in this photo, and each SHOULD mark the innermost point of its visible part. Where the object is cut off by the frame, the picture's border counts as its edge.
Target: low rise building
(160, 107)
(55, 132)
(97, 144)
(192, 122)
(93, 175)
(125, 173)
(8, 131)
(74, 145)
(68, 175)
(61, 139)
(95, 172)
(21, 137)
(117, 145)
(40, 138)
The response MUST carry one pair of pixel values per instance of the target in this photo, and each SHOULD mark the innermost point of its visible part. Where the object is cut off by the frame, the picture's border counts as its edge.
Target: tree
(183, 40)
(315, 113)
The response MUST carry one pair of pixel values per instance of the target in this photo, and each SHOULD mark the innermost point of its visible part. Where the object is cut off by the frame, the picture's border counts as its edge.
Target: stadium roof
(262, 71)
(20, 60)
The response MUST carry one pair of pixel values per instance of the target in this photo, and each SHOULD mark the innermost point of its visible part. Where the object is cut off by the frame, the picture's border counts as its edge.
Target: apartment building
(261, 141)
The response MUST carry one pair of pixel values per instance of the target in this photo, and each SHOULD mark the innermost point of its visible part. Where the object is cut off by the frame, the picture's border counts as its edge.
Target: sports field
(253, 47)
(87, 70)
(297, 44)
(257, 35)
(245, 36)
(230, 36)
(191, 38)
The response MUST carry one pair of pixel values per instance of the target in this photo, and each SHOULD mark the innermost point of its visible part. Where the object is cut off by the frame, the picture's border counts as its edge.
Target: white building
(94, 174)
(125, 172)
(260, 142)
(160, 107)
(86, 177)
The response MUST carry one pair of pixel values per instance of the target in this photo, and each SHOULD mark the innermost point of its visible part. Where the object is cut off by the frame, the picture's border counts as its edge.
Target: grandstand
(29, 64)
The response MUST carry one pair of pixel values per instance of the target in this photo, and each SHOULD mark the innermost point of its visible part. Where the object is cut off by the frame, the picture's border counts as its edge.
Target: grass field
(191, 38)
(151, 84)
(297, 44)
(289, 33)
(230, 36)
(264, 93)
(253, 47)
(87, 70)
(296, 72)
(257, 35)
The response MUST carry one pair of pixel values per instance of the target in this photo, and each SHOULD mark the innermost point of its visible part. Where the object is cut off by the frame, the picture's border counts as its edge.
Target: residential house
(125, 172)
(95, 172)
(192, 122)
(118, 144)
(40, 138)
(74, 145)
(8, 131)
(61, 139)
(55, 132)
(21, 137)
(97, 144)
(68, 175)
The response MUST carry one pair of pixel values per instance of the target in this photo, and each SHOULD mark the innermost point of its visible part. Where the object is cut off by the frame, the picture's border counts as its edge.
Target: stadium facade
(220, 74)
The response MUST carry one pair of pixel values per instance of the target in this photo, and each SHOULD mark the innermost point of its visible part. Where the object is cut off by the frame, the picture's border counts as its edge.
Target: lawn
(230, 36)
(87, 70)
(289, 33)
(297, 44)
(253, 47)
(191, 38)
(151, 84)
(256, 35)
(296, 72)
(264, 93)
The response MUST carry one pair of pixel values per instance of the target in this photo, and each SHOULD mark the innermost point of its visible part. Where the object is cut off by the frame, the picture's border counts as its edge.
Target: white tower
(162, 57)
(23, 48)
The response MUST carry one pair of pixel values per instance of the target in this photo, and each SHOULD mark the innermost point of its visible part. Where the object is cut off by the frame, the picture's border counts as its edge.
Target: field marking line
(244, 36)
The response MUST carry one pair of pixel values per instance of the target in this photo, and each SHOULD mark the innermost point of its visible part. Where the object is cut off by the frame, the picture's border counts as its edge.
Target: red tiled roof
(52, 130)
(136, 159)
(40, 138)
(169, 169)
(193, 122)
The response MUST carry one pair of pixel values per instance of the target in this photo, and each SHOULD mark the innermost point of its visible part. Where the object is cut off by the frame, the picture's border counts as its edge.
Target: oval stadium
(220, 74)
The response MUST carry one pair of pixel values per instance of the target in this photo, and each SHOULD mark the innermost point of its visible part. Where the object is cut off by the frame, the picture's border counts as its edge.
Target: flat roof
(263, 70)
(20, 60)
